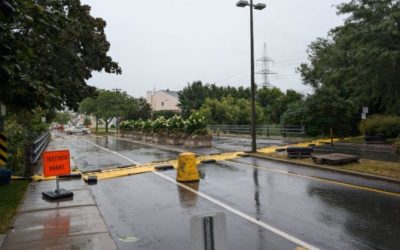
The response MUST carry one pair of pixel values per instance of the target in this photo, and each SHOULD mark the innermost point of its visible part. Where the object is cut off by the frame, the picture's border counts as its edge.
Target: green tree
(326, 109)
(113, 104)
(89, 107)
(87, 122)
(109, 105)
(142, 110)
(295, 114)
(275, 102)
(62, 118)
(192, 97)
(229, 110)
(361, 59)
(51, 49)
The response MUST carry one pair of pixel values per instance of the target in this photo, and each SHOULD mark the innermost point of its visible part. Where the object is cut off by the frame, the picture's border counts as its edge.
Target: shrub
(125, 125)
(196, 125)
(387, 126)
(159, 125)
(138, 125)
(147, 126)
(175, 124)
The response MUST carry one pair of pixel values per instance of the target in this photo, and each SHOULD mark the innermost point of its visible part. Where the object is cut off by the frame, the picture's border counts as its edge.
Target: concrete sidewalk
(68, 224)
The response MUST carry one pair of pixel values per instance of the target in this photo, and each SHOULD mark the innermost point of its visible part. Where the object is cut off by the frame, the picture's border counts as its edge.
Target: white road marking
(231, 209)
(241, 214)
(113, 152)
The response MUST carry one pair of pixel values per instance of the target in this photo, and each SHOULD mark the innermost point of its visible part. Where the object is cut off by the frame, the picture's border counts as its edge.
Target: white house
(163, 100)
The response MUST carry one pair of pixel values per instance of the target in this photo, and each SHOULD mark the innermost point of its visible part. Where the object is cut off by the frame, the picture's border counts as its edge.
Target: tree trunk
(108, 122)
(97, 124)
(117, 125)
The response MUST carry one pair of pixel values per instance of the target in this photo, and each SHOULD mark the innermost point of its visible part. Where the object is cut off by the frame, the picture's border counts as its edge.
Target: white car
(77, 130)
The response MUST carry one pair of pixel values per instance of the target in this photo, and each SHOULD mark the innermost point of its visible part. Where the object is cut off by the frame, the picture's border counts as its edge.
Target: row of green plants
(176, 125)
(381, 125)
(20, 130)
(384, 126)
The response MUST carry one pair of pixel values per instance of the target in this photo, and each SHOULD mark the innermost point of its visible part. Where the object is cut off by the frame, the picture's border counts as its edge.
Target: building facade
(163, 100)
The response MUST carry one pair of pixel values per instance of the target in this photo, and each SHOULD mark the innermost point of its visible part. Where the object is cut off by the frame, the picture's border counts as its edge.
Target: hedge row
(194, 125)
(387, 126)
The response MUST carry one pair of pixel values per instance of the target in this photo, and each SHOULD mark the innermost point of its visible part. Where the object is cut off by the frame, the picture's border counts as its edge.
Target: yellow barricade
(190, 171)
(187, 168)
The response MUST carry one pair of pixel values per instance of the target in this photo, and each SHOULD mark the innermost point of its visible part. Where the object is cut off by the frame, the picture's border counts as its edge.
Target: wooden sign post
(56, 163)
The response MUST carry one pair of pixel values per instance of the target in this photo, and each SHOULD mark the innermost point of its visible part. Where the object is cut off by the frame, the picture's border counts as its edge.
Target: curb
(342, 171)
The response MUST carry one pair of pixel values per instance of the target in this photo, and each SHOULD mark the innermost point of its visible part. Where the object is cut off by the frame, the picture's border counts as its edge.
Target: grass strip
(10, 197)
(381, 168)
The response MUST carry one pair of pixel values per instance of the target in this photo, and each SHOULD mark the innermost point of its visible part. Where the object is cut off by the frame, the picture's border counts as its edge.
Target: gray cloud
(169, 43)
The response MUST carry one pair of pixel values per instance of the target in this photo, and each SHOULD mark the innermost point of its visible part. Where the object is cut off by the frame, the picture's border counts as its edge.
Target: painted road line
(241, 214)
(231, 209)
(322, 180)
(110, 151)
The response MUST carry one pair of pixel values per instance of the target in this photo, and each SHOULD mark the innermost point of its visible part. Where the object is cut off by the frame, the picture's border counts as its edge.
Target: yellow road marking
(324, 180)
(148, 167)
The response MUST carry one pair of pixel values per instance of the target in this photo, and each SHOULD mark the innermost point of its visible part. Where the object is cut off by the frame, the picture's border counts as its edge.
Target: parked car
(77, 130)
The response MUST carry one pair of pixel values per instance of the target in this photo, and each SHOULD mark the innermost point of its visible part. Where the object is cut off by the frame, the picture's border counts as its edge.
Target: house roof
(170, 92)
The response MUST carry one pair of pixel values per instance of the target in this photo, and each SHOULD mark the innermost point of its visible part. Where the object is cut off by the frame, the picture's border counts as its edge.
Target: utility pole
(258, 6)
(265, 70)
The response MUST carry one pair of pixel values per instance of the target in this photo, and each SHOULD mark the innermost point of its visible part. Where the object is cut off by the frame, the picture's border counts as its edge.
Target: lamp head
(260, 6)
(242, 3)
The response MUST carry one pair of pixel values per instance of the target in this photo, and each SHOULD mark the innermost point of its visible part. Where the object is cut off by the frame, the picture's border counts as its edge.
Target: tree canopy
(361, 59)
(275, 102)
(231, 105)
(229, 110)
(48, 51)
(115, 104)
(193, 96)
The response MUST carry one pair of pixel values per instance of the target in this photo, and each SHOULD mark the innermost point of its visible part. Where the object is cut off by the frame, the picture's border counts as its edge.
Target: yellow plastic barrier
(190, 172)
(187, 168)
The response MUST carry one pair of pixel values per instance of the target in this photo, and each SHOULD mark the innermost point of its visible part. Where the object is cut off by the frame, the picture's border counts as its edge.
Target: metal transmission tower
(265, 70)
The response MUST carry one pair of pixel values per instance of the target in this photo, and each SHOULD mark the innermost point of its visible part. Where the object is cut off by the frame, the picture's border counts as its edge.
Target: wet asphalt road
(149, 212)
(86, 156)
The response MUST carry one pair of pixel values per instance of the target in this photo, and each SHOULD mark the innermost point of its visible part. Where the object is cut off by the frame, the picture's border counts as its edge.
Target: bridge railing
(262, 130)
(33, 152)
(38, 146)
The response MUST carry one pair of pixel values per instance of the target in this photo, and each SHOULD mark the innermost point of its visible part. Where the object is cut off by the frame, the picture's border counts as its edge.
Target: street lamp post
(258, 6)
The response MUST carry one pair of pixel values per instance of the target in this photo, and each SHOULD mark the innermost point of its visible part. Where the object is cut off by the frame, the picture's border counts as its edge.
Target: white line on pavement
(241, 214)
(113, 152)
(231, 209)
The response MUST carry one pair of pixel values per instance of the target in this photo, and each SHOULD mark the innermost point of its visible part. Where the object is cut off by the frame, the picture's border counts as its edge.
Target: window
(162, 104)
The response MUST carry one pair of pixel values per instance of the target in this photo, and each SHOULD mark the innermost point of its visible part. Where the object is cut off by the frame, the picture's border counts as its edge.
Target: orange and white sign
(56, 163)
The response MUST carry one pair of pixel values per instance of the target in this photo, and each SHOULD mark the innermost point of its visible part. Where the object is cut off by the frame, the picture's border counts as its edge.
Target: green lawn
(360, 140)
(10, 197)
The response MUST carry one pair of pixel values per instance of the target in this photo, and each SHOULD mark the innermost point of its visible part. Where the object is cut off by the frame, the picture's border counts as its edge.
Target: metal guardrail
(264, 130)
(38, 146)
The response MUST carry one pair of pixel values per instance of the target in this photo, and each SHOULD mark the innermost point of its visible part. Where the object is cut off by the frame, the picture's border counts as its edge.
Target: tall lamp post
(258, 6)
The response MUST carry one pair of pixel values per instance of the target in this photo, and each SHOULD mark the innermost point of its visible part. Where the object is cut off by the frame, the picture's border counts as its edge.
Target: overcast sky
(167, 43)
